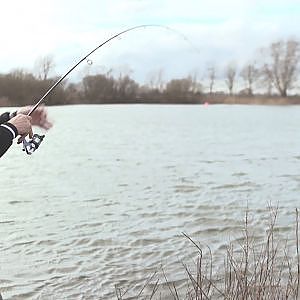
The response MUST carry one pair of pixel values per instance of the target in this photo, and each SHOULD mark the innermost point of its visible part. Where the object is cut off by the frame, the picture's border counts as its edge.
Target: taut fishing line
(31, 145)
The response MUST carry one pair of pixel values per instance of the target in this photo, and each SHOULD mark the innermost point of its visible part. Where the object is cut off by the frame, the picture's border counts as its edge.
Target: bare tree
(196, 86)
(230, 74)
(179, 87)
(267, 79)
(98, 88)
(283, 65)
(212, 78)
(250, 75)
(155, 80)
(44, 66)
(160, 82)
(126, 89)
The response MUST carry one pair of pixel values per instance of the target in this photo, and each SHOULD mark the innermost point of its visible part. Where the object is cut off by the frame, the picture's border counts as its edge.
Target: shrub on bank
(253, 269)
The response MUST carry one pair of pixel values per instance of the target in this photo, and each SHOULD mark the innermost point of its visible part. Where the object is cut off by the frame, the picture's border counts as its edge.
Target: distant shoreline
(199, 99)
(255, 100)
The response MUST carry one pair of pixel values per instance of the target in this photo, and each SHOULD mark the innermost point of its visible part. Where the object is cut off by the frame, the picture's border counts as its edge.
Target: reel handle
(31, 145)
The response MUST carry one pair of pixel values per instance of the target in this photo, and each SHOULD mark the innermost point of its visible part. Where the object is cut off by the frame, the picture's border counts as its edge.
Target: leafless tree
(266, 78)
(230, 74)
(179, 89)
(23, 88)
(196, 86)
(44, 66)
(98, 88)
(212, 78)
(160, 82)
(250, 75)
(126, 89)
(155, 80)
(283, 64)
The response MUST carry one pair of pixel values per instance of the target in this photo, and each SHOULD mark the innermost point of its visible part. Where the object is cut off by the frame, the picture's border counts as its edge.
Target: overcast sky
(218, 32)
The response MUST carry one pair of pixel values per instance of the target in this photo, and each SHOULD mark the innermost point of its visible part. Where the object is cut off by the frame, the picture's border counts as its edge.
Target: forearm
(7, 133)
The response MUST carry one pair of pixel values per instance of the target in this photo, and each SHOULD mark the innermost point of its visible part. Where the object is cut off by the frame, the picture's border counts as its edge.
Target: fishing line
(31, 145)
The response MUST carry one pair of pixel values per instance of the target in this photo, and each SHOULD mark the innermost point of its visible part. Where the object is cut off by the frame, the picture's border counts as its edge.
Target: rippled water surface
(106, 198)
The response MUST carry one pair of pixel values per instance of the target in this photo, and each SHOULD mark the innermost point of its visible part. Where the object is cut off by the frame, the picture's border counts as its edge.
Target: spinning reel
(30, 146)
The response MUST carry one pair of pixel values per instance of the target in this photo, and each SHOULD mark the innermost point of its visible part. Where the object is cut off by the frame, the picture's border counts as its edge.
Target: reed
(252, 270)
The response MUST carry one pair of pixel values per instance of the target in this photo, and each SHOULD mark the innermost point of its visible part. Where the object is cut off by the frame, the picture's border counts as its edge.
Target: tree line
(274, 72)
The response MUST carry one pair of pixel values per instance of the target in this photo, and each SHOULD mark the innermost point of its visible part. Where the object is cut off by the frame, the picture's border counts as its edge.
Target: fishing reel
(31, 145)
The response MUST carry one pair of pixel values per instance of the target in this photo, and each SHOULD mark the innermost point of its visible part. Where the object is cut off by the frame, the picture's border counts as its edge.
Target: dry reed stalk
(252, 270)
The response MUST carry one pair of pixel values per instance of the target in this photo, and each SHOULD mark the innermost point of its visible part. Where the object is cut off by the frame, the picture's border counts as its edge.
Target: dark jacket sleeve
(4, 117)
(7, 133)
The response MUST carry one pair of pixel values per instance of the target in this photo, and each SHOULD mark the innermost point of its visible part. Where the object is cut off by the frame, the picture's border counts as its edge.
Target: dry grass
(249, 100)
(251, 270)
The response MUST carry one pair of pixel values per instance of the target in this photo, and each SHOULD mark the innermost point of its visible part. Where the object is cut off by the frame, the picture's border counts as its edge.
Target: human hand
(23, 125)
(39, 116)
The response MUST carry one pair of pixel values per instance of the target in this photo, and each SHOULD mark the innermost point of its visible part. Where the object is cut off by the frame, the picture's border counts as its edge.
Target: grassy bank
(255, 100)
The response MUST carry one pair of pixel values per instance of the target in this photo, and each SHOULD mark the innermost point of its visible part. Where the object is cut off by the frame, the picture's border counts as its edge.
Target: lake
(105, 199)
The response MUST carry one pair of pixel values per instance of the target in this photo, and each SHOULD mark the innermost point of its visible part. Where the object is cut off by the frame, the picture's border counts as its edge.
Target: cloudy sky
(217, 32)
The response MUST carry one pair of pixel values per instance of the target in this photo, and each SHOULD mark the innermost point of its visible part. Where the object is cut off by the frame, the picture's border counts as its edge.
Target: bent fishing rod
(31, 145)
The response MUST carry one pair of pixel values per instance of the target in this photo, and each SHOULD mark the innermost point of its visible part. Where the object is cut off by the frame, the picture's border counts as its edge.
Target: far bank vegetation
(271, 78)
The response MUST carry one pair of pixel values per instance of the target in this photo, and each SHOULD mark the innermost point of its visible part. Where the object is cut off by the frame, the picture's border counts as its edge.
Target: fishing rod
(31, 145)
